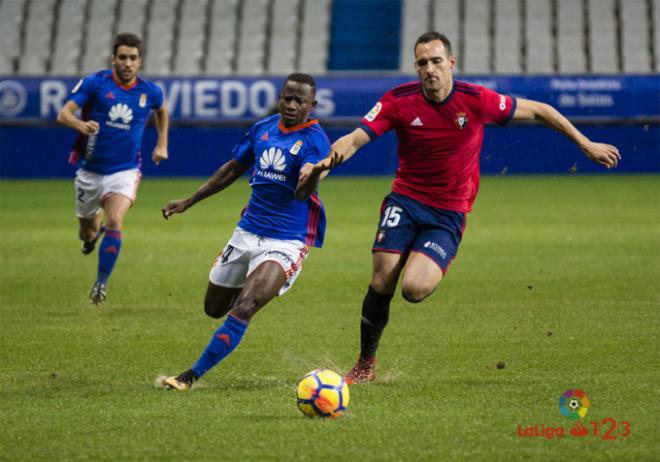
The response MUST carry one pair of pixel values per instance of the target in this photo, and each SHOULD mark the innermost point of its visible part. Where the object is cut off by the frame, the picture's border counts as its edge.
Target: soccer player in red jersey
(439, 123)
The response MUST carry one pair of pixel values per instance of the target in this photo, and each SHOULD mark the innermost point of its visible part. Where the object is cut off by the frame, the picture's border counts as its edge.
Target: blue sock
(108, 253)
(223, 342)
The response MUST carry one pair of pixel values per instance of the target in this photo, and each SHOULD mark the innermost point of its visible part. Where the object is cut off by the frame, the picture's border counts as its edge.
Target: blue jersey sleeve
(244, 149)
(318, 149)
(83, 91)
(157, 99)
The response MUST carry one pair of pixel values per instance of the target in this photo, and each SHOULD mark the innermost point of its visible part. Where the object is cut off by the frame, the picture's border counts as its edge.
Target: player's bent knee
(415, 294)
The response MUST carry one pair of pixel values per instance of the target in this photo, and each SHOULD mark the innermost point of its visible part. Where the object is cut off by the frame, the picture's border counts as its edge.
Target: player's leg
(272, 271)
(118, 195)
(89, 232)
(228, 274)
(260, 287)
(420, 277)
(375, 313)
(88, 208)
(396, 231)
(219, 300)
(431, 254)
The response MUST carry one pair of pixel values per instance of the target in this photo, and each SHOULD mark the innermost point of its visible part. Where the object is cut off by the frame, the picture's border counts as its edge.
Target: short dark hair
(431, 36)
(299, 77)
(128, 40)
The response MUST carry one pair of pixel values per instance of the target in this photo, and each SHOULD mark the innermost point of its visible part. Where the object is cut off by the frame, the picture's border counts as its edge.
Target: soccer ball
(322, 393)
(574, 404)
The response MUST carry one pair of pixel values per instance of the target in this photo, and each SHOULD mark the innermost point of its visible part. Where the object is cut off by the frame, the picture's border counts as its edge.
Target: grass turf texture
(557, 278)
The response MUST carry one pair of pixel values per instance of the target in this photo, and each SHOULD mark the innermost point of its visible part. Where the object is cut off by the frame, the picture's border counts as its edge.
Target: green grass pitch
(557, 277)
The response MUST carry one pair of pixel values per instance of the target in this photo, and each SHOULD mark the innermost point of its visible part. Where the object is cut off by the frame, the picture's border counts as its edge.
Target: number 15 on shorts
(391, 216)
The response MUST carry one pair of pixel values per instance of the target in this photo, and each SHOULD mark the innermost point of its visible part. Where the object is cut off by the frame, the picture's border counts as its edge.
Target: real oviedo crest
(461, 120)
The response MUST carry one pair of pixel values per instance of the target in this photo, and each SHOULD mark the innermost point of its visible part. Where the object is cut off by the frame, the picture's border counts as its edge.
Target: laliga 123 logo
(574, 404)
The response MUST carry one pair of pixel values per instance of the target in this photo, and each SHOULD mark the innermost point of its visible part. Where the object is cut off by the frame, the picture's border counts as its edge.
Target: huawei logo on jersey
(274, 158)
(461, 120)
(123, 112)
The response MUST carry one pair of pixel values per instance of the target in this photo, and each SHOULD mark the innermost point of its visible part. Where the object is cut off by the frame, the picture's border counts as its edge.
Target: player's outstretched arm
(67, 118)
(162, 122)
(340, 151)
(604, 154)
(223, 177)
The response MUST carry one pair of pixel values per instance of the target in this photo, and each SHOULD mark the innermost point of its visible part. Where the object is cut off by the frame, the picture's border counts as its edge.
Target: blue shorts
(407, 225)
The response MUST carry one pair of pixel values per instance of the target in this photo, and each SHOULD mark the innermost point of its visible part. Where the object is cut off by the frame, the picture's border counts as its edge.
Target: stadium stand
(38, 35)
(98, 35)
(315, 37)
(159, 37)
(506, 57)
(476, 38)
(254, 37)
(446, 19)
(539, 55)
(634, 36)
(602, 36)
(571, 55)
(283, 37)
(191, 39)
(66, 52)
(221, 41)
(11, 21)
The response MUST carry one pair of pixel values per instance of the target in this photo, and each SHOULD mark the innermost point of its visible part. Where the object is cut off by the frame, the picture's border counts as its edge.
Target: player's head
(434, 61)
(297, 99)
(126, 57)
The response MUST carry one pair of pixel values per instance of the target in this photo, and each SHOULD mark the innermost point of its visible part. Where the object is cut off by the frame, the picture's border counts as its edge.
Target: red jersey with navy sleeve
(439, 142)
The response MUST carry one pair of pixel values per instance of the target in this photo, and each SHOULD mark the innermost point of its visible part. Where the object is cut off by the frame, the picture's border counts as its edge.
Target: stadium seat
(11, 20)
(222, 38)
(252, 37)
(446, 20)
(283, 42)
(476, 46)
(603, 36)
(539, 56)
(315, 36)
(131, 16)
(159, 38)
(98, 39)
(68, 39)
(191, 37)
(635, 36)
(507, 38)
(416, 20)
(571, 55)
(38, 37)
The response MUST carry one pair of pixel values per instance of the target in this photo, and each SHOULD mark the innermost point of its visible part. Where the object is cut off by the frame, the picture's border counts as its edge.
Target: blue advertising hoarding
(210, 114)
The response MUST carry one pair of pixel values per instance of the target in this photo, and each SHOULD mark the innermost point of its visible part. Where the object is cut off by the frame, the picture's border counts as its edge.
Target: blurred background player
(439, 124)
(284, 216)
(116, 105)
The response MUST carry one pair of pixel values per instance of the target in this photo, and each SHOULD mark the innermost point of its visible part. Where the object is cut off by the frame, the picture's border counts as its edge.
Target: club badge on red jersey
(461, 120)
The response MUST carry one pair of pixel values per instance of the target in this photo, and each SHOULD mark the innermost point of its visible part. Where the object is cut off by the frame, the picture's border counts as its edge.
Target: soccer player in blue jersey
(115, 106)
(283, 218)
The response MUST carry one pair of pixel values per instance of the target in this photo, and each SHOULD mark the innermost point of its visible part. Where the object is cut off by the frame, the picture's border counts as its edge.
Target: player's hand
(160, 153)
(604, 154)
(331, 161)
(89, 127)
(177, 206)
